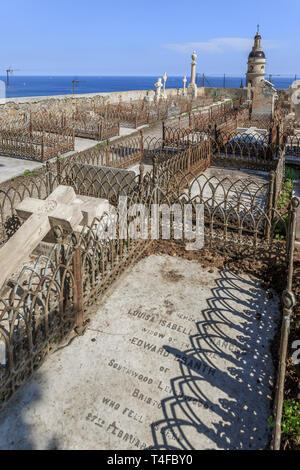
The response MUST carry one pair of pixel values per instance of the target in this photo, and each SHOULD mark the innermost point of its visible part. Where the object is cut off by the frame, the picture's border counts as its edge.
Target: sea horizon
(22, 86)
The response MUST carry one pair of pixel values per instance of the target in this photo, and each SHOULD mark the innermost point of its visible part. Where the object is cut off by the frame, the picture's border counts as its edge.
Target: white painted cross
(62, 208)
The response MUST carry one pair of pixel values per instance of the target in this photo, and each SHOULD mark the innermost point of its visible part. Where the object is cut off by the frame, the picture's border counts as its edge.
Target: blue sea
(21, 86)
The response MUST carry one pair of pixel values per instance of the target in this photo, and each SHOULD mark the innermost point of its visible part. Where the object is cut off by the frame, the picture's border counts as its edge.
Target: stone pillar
(193, 68)
(164, 81)
(192, 88)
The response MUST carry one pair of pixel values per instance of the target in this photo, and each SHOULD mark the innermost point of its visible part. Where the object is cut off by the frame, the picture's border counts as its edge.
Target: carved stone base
(192, 90)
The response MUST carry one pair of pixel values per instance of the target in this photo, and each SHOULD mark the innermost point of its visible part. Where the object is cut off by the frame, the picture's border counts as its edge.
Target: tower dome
(256, 63)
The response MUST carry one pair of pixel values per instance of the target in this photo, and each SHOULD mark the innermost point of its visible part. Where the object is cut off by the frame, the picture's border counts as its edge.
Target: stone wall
(221, 93)
(14, 106)
(57, 102)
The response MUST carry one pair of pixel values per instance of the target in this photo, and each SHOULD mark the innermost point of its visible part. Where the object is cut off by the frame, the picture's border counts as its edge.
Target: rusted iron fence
(47, 300)
(39, 146)
(291, 143)
(85, 124)
(188, 157)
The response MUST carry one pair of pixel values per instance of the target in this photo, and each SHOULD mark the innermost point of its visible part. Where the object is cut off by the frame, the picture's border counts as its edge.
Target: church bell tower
(256, 63)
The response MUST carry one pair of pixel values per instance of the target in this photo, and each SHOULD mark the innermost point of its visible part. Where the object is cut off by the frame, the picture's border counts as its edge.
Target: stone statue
(158, 86)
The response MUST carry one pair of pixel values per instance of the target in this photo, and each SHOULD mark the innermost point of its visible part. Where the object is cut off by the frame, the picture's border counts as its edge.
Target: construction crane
(9, 71)
(74, 83)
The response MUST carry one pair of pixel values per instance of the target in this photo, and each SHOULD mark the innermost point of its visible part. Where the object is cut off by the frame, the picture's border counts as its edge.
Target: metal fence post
(100, 130)
(141, 145)
(163, 133)
(78, 291)
(289, 301)
(48, 179)
(141, 179)
(58, 168)
(43, 148)
(107, 153)
(270, 205)
(30, 124)
(189, 151)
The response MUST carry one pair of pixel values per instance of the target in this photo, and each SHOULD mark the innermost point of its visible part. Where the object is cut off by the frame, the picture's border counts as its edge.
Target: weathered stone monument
(192, 88)
(62, 208)
(264, 98)
(148, 98)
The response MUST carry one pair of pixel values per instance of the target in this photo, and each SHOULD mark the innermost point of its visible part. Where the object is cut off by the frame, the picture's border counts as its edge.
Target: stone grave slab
(178, 357)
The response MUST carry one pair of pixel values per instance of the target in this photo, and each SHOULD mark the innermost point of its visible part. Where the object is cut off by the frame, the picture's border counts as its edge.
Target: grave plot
(178, 357)
(228, 187)
(37, 146)
(84, 124)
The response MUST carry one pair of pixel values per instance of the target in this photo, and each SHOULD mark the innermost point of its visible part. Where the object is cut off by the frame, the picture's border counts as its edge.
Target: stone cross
(62, 208)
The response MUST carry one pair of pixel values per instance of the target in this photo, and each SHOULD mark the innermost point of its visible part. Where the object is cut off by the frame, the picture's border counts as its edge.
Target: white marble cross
(62, 208)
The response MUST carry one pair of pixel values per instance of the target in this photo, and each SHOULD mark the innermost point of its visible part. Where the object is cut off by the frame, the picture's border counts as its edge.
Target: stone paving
(177, 357)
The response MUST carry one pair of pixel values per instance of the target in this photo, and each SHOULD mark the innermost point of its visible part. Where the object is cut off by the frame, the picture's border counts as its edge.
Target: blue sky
(113, 37)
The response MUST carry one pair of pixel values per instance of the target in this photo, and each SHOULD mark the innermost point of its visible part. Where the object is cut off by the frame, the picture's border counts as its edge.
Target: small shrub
(286, 193)
(280, 227)
(28, 173)
(290, 425)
